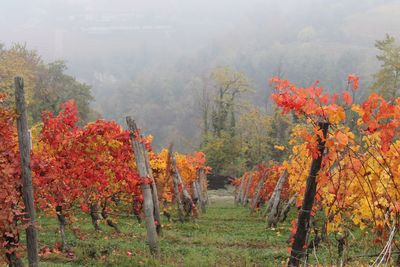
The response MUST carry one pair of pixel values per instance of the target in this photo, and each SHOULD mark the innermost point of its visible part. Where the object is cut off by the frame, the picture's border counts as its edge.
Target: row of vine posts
(273, 214)
(186, 204)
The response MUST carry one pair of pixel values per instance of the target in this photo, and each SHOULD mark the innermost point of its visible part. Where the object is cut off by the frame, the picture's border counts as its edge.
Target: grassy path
(229, 236)
(224, 236)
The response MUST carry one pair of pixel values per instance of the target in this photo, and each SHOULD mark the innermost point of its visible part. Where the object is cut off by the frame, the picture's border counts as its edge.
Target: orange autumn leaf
(324, 99)
(353, 80)
(347, 98)
(342, 138)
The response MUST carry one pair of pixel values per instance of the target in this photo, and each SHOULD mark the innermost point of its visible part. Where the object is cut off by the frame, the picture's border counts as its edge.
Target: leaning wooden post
(203, 188)
(61, 222)
(239, 193)
(154, 190)
(175, 180)
(303, 219)
(257, 194)
(243, 188)
(199, 188)
(273, 216)
(148, 205)
(26, 174)
(277, 190)
(284, 212)
(195, 196)
(187, 199)
(247, 190)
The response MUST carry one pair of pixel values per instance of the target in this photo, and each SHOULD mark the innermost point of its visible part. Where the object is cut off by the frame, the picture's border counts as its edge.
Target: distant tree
(279, 133)
(47, 86)
(254, 127)
(230, 85)
(18, 61)
(224, 154)
(387, 79)
(204, 102)
(237, 136)
(220, 104)
(54, 87)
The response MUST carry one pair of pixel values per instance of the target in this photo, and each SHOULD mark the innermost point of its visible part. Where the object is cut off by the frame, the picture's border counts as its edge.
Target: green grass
(224, 236)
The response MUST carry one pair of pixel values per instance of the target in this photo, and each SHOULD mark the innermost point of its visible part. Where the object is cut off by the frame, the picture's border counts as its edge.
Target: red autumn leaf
(324, 99)
(354, 81)
(347, 98)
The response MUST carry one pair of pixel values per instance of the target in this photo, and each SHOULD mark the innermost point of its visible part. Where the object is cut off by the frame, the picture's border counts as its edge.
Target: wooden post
(62, 223)
(175, 180)
(154, 191)
(238, 196)
(148, 206)
(277, 189)
(30, 139)
(273, 216)
(303, 219)
(284, 212)
(247, 190)
(187, 199)
(195, 195)
(26, 174)
(243, 188)
(256, 196)
(199, 190)
(273, 197)
(178, 199)
(203, 185)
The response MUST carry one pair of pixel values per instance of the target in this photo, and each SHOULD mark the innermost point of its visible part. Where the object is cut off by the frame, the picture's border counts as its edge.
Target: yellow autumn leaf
(342, 138)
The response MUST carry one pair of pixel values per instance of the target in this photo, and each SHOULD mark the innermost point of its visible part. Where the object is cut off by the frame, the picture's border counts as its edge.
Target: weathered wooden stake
(284, 212)
(62, 222)
(154, 191)
(197, 185)
(175, 180)
(196, 195)
(247, 190)
(257, 194)
(273, 216)
(148, 205)
(26, 175)
(303, 219)
(203, 185)
(273, 195)
(187, 199)
(239, 193)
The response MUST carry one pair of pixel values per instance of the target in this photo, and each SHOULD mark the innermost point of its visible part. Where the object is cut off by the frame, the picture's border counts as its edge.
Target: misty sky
(76, 28)
(71, 29)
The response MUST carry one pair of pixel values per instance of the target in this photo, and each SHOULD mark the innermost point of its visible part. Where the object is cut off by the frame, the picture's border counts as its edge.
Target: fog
(147, 58)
